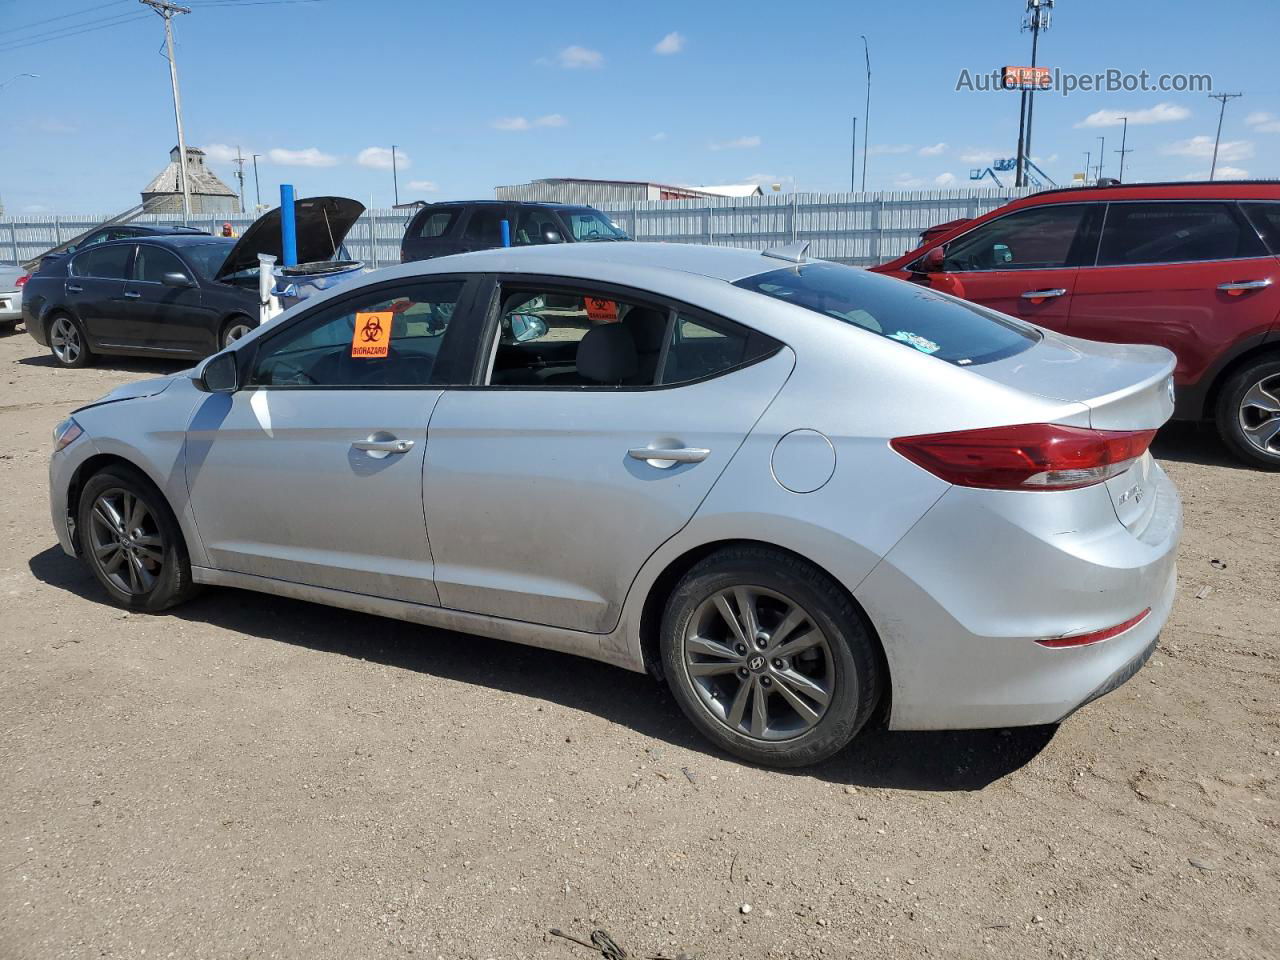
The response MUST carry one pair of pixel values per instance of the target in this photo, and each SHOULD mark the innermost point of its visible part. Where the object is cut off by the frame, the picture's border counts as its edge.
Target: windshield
(914, 316)
(588, 224)
(207, 258)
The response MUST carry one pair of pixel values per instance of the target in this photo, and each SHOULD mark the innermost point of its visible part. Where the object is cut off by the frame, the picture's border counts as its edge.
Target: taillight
(1097, 636)
(1030, 456)
(22, 280)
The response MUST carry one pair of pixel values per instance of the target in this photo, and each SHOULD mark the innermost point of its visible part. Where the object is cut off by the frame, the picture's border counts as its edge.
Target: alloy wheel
(125, 541)
(759, 663)
(234, 333)
(65, 340)
(1260, 415)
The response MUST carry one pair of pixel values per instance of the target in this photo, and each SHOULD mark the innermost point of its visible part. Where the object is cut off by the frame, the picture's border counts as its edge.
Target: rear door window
(107, 263)
(152, 264)
(483, 227)
(437, 224)
(1175, 232)
(914, 316)
(1039, 238)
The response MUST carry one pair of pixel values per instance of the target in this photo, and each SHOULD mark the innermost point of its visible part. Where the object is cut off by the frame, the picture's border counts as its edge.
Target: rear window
(914, 316)
(437, 224)
(1174, 232)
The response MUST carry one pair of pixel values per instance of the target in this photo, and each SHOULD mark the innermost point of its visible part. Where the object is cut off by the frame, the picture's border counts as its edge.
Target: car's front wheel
(67, 341)
(1248, 413)
(132, 542)
(769, 658)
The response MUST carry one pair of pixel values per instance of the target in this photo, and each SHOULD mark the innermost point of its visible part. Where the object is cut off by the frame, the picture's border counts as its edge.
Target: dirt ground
(257, 777)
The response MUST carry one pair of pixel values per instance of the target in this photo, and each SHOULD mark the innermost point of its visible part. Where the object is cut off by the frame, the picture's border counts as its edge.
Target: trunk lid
(322, 225)
(1125, 387)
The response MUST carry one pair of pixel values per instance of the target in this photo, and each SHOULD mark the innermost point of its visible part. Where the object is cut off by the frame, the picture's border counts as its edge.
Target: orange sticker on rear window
(372, 336)
(601, 311)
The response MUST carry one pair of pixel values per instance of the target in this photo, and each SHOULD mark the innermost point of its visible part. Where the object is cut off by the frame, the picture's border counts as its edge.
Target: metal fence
(856, 228)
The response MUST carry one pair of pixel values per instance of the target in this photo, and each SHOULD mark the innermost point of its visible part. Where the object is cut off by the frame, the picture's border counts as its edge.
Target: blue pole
(288, 226)
(506, 232)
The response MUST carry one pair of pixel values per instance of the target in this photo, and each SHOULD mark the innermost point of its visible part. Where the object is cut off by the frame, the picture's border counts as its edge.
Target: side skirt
(589, 645)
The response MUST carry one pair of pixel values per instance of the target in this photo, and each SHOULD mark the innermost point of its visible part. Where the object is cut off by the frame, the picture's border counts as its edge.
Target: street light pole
(1102, 155)
(395, 176)
(257, 192)
(166, 11)
(1124, 136)
(866, 113)
(19, 76)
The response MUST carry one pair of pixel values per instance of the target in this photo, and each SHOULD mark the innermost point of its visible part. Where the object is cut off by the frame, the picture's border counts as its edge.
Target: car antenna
(793, 252)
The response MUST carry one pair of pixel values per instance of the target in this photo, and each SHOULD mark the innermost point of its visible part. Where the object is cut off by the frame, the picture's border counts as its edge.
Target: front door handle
(669, 456)
(74, 288)
(132, 294)
(374, 447)
(1038, 295)
(1238, 287)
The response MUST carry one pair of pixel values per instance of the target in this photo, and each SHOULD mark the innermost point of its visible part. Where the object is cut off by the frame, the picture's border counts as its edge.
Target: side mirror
(932, 262)
(552, 236)
(177, 279)
(217, 374)
(525, 328)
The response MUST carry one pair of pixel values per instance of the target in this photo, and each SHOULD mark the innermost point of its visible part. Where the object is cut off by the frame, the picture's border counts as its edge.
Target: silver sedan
(807, 496)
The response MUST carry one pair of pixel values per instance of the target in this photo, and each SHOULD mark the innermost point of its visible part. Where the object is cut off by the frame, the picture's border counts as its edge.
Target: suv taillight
(1031, 456)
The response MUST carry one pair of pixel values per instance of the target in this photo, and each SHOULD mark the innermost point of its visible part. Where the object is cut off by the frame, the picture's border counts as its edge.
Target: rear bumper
(961, 600)
(11, 306)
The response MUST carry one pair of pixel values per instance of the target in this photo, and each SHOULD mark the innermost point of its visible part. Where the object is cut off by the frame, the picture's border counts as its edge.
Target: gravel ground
(257, 777)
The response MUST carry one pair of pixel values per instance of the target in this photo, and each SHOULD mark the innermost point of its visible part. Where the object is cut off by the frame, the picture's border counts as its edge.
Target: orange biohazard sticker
(372, 337)
(601, 311)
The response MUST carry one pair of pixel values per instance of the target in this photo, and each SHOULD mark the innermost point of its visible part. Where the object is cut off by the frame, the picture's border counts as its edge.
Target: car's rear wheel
(234, 329)
(67, 341)
(132, 542)
(769, 658)
(1248, 413)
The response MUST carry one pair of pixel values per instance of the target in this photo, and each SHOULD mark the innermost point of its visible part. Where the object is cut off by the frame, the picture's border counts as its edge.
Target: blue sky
(476, 95)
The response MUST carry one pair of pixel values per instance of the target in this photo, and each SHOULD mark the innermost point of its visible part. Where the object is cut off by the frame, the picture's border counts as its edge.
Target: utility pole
(240, 176)
(1088, 159)
(866, 114)
(1223, 97)
(257, 191)
(166, 11)
(1124, 135)
(395, 175)
(1039, 14)
(1102, 155)
(853, 159)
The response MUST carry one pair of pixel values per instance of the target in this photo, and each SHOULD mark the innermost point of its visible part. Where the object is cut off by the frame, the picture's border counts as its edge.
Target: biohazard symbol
(372, 334)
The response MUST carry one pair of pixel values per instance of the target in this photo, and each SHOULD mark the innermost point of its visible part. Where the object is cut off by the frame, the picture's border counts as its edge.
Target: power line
(31, 42)
(64, 16)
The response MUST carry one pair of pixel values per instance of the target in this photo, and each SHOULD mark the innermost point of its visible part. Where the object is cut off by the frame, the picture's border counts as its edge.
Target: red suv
(1194, 267)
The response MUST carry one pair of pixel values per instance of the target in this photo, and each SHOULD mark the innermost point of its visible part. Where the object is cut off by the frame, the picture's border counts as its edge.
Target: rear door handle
(74, 288)
(1044, 294)
(132, 294)
(384, 446)
(672, 455)
(1239, 286)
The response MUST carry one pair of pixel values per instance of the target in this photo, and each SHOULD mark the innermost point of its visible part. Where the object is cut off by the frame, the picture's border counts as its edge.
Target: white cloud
(379, 158)
(222, 153)
(945, 179)
(979, 155)
(53, 125)
(672, 43)
(1220, 173)
(1263, 122)
(426, 186)
(658, 137)
(905, 181)
(934, 151)
(1160, 113)
(309, 157)
(524, 123)
(737, 143)
(580, 58)
(1229, 151)
(880, 149)
(35, 208)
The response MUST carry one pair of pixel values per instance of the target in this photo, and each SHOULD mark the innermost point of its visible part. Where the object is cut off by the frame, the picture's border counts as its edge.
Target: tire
(67, 342)
(708, 671)
(8, 326)
(151, 570)
(1248, 413)
(233, 330)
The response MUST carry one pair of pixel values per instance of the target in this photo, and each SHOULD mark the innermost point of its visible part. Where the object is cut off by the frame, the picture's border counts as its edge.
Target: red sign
(1026, 78)
(601, 311)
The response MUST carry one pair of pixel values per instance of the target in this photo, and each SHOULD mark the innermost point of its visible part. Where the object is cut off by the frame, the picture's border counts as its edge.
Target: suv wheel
(769, 658)
(1249, 413)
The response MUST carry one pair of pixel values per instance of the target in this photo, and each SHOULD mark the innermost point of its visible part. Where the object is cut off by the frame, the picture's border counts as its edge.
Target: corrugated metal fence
(857, 228)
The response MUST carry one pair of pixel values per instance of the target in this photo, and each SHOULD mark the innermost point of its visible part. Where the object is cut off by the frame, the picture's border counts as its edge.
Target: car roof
(1169, 190)
(166, 240)
(503, 203)
(161, 229)
(717, 263)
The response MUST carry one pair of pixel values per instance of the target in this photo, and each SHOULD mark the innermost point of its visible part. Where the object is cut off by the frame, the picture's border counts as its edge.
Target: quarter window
(702, 346)
(1035, 239)
(108, 263)
(1266, 220)
(390, 337)
(1174, 233)
(152, 264)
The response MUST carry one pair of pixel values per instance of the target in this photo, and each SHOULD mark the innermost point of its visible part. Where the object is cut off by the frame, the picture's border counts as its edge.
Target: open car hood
(322, 225)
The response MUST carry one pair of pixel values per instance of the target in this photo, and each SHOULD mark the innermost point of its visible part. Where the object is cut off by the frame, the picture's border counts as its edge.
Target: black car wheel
(67, 341)
(1248, 413)
(233, 330)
